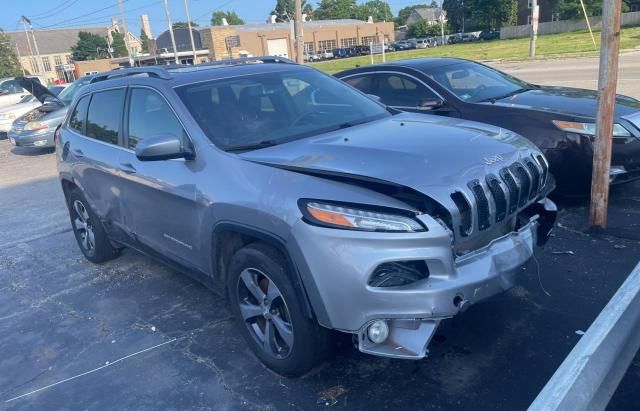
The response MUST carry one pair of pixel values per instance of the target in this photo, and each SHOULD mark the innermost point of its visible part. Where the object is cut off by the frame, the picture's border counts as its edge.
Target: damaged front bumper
(413, 312)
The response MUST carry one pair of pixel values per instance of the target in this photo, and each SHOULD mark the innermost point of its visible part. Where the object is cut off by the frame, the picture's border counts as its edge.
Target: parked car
(11, 92)
(326, 54)
(294, 203)
(9, 113)
(487, 35)
(426, 43)
(36, 128)
(340, 53)
(559, 120)
(462, 38)
(405, 44)
(311, 57)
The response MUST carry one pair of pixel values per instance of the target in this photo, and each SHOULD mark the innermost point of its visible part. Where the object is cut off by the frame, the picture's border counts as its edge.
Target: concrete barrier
(564, 26)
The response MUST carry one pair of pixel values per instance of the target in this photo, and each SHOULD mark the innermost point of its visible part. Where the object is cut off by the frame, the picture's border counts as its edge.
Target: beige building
(277, 39)
(55, 51)
(87, 67)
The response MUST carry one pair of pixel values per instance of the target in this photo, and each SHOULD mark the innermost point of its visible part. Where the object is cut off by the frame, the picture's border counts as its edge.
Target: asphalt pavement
(133, 334)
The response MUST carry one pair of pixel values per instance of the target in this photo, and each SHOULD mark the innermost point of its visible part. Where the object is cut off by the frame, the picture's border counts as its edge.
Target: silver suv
(309, 205)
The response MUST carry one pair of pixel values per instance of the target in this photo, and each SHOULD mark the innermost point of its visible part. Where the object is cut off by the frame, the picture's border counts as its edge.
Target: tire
(88, 230)
(262, 297)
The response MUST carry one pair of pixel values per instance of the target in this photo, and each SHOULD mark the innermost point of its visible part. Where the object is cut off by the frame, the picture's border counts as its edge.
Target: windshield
(474, 82)
(68, 93)
(273, 108)
(26, 99)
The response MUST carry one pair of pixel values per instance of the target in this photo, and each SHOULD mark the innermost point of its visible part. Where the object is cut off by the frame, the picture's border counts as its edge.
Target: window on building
(555, 17)
(46, 64)
(105, 111)
(529, 19)
(68, 56)
(149, 116)
(309, 47)
(34, 65)
(349, 42)
(529, 4)
(327, 44)
(57, 60)
(366, 40)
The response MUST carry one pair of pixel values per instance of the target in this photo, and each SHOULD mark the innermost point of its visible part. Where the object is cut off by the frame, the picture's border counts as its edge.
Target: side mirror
(162, 147)
(430, 104)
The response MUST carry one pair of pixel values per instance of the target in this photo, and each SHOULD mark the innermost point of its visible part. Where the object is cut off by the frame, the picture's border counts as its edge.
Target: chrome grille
(500, 196)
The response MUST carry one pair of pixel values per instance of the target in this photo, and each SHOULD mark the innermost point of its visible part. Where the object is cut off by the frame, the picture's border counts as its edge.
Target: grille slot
(535, 178)
(525, 183)
(482, 203)
(545, 169)
(499, 198)
(464, 209)
(512, 187)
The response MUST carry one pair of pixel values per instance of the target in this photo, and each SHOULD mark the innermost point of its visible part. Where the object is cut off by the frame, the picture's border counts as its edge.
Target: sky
(79, 13)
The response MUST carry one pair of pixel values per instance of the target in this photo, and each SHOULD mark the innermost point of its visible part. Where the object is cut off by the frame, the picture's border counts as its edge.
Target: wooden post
(298, 30)
(608, 77)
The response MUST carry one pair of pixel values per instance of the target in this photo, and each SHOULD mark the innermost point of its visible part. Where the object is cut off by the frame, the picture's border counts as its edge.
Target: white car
(12, 112)
(11, 92)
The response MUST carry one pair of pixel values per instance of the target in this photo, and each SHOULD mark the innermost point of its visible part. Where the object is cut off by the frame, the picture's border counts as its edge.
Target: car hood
(39, 91)
(427, 153)
(572, 101)
(53, 118)
(19, 107)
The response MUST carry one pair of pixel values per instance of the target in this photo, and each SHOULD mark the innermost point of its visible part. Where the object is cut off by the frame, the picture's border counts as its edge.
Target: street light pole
(463, 16)
(26, 21)
(535, 15)
(193, 44)
(126, 32)
(173, 39)
(607, 79)
(298, 32)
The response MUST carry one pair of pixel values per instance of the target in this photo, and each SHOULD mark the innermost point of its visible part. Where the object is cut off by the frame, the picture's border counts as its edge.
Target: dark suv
(307, 204)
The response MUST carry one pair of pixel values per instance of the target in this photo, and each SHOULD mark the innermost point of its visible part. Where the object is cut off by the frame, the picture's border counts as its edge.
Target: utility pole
(607, 79)
(298, 30)
(535, 15)
(26, 21)
(126, 32)
(20, 59)
(193, 44)
(462, 16)
(173, 39)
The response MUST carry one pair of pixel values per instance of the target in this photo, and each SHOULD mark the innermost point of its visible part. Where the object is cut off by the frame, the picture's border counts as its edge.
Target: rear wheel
(88, 230)
(270, 314)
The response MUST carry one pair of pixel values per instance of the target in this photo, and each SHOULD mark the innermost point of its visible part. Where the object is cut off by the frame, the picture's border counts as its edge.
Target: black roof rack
(152, 71)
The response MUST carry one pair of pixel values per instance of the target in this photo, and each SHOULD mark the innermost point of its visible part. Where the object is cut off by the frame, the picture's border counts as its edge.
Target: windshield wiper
(511, 94)
(252, 146)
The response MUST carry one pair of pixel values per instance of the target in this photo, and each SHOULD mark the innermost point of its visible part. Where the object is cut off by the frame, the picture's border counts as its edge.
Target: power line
(80, 17)
(57, 9)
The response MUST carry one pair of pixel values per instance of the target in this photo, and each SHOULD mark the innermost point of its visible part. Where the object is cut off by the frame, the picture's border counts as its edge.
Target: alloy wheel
(83, 226)
(265, 313)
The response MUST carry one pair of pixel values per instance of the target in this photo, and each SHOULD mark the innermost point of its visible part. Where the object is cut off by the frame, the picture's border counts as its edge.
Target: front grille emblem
(493, 159)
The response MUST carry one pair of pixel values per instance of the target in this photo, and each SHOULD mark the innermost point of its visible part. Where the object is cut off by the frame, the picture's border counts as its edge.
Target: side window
(77, 118)
(105, 114)
(11, 87)
(362, 83)
(401, 91)
(150, 115)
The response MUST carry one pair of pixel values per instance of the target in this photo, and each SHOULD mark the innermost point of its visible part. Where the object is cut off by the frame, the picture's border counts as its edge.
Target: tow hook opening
(461, 303)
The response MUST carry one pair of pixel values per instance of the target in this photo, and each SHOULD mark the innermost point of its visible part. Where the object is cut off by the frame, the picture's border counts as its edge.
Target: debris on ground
(329, 397)
(567, 252)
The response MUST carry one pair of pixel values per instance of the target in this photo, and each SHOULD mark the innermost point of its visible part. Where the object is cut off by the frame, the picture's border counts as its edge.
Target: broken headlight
(359, 217)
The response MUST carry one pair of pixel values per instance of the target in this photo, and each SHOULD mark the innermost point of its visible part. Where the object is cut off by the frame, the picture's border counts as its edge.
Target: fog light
(378, 331)
(40, 143)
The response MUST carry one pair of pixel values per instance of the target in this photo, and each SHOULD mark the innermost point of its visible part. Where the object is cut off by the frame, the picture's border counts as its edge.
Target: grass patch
(576, 43)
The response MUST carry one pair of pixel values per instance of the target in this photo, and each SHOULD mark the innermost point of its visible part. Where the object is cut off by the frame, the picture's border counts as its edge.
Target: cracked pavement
(133, 334)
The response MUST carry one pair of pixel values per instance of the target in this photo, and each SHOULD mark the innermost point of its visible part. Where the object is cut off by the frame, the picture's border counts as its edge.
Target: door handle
(127, 168)
(77, 152)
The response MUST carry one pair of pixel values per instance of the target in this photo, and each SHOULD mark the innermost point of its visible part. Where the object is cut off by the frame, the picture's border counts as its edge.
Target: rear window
(104, 116)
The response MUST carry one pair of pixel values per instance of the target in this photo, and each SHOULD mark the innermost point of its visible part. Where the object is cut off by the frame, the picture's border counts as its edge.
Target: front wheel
(88, 230)
(270, 314)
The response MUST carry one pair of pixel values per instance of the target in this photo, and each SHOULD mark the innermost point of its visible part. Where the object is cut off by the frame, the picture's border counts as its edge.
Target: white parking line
(107, 364)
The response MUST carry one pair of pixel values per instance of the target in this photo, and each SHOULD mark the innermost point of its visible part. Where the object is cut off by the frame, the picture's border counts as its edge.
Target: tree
(572, 9)
(183, 25)
(9, 64)
(232, 18)
(89, 47)
(285, 10)
(480, 14)
(336, 9)
(118, 45)
(378, 9)
(144, 40)
(423, 29)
